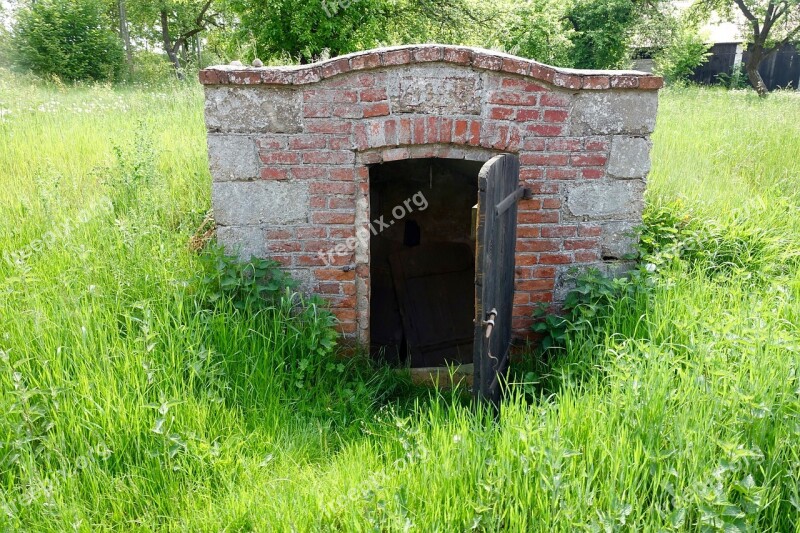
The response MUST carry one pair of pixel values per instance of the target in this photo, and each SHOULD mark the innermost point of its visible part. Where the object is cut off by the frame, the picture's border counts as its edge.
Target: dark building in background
(780, 70)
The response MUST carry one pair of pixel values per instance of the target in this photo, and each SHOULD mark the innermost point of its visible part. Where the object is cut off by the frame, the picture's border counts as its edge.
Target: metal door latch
(489, 322)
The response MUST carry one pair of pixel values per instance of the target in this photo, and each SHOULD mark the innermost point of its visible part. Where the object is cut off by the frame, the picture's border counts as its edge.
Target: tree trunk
(125, 34)
(168, 46)
(756, 56)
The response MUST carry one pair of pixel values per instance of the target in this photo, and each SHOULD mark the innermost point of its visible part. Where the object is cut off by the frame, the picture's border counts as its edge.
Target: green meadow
(137, 396)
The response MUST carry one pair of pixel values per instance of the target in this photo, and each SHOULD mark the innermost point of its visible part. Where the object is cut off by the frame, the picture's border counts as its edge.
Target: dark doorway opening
(422, 261)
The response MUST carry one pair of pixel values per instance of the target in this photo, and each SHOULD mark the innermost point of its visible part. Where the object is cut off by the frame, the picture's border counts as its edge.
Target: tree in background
(769, 25)
(601, 33)
(176, 24)
(306, 30)
(537, 29)
(71, 39)
(124, 32)
(571, 33)
(466, 22)
(672, 38)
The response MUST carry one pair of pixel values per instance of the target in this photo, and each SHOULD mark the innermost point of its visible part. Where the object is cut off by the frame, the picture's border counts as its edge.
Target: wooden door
(496, 233)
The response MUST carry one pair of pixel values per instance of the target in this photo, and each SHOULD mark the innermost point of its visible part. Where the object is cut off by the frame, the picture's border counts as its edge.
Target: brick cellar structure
(306, 159)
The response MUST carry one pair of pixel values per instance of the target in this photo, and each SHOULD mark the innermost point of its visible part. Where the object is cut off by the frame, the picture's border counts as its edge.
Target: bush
(685, 51)
(602, 32)
(152, 68)
(70, 39)
(536, 30)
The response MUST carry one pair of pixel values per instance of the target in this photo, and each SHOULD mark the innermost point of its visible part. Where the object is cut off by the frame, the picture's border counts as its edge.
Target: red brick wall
(348, 120)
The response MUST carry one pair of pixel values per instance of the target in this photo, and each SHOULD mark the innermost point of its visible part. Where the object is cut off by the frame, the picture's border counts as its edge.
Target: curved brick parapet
(408, 55)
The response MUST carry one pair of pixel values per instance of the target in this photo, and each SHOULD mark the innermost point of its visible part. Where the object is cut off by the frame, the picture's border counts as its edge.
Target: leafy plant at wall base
(585, 305)
(249, 285)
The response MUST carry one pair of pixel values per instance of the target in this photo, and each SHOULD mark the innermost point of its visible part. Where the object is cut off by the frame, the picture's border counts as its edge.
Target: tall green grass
(129, 404)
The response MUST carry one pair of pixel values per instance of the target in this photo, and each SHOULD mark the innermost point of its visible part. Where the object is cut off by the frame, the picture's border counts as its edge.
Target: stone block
(253, 109)
(305, 279)
(436, 90)
(629, 158)
(243, 241)
(614, 113)
(250, 203)
(605, 200)
(232, 157)
(618, 239)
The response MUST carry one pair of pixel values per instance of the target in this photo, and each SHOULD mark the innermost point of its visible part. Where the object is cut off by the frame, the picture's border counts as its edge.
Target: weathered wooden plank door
(498, 195)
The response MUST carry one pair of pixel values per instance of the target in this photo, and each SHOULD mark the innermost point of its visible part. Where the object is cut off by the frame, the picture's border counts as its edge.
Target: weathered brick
(458, 56)
(272, 173)
(562, 258)
(333, 188)
(588, 160)
(544, 160)
(373, 95)
(538, 217)
(320, 157)
(428, 54)
(528, 115)
(311, 233)
(333, 218)
(280, 158)
(333, 68)
(376, 110)
(522, 84)
(539, 245)
(328, 126)
(545, 130)
(501, 113)
(308, 142)
(562, 173)
(365, 61)
(554, 100)
(513, 98)
(308, 172)
(396, 57)
(555, 115)
(580, 244)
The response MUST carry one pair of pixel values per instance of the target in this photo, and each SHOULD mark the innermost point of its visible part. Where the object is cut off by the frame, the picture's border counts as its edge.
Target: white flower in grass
(650, 267)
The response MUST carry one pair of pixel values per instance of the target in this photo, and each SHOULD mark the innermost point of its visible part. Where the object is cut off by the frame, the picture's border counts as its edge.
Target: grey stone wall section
(614, 113)
(619, 239)
(253, 109)
(436, 90)
(244, 241)
(232, 157)
(605, 200)
(629, 158)
(260, 202)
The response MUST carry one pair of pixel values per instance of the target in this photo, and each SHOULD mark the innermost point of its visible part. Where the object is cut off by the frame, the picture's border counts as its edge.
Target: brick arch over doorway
(291, 148)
